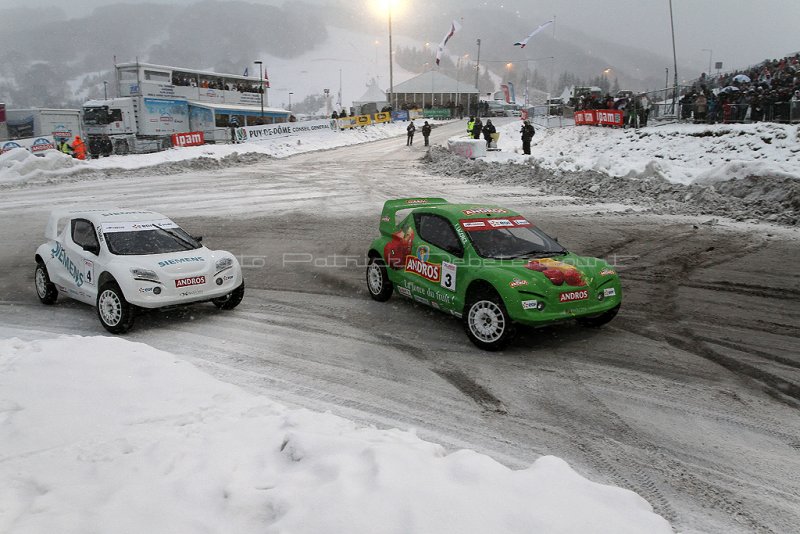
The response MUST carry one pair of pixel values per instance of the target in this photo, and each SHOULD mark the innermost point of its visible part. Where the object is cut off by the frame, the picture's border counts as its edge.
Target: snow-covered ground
(680, 153)
(105, 435)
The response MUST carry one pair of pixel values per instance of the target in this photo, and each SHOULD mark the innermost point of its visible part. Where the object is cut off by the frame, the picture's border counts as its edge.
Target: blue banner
(400, 115)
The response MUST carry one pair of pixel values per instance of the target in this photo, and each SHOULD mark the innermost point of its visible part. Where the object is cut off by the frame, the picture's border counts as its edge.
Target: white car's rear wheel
(115, 313)
(45, 289)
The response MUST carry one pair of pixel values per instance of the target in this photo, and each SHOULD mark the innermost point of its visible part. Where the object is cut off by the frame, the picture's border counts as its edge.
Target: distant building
(434, 90)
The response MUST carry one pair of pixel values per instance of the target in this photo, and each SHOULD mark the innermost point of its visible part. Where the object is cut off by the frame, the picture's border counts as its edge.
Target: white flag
(454, 27)
(522, 44)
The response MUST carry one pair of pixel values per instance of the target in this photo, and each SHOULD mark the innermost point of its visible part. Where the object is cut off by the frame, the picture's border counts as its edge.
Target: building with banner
(433, 89)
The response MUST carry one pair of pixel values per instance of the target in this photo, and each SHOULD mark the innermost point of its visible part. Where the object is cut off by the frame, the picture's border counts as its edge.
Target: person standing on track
(410, 129)
(527, 132)
(426, 132)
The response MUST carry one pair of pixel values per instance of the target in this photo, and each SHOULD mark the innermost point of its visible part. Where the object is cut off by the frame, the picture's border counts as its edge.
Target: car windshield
(519, 242)
(154, 240)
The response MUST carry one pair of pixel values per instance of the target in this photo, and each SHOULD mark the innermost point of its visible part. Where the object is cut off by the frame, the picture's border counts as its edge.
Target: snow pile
(680, 153)
(205, 156)
(104, 435)
(744, 172)
(18, 164)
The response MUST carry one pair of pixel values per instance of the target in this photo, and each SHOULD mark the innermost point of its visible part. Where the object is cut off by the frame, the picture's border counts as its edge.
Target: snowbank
(104, 435)
(19, 165)
(680, 153)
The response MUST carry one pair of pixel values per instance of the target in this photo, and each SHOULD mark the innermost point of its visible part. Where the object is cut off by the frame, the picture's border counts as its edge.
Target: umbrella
(741, 78)
(729, 89)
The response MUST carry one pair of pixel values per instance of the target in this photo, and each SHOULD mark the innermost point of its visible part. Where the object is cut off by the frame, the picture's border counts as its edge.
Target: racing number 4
(449, 276)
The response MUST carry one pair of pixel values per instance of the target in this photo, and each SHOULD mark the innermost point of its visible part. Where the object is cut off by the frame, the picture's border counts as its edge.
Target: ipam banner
(188, 139)
(605, 117)
(283, 129)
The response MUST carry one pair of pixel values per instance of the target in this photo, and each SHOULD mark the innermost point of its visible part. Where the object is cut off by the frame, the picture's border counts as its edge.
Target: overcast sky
(739, 32)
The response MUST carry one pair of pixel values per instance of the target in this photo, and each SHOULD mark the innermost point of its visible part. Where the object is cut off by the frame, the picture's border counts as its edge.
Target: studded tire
(378, 283)
(45, 289)
(486, 321)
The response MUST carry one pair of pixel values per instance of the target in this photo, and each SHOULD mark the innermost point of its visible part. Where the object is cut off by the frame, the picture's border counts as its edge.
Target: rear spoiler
(391, 207)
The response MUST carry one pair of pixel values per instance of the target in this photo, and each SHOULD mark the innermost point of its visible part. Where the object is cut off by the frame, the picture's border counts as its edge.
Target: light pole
(105, 90)
(261, 86)
(391, 60)
(327, 102)
(674, 57)
(710, 56)
(290, 100)
(477, 72)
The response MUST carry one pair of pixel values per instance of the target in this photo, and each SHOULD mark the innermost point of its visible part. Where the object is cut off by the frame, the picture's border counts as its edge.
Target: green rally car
(489, 266)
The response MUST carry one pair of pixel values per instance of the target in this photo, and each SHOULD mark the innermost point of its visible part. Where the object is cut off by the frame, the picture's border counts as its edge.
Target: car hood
(196, 261)
(561, 272)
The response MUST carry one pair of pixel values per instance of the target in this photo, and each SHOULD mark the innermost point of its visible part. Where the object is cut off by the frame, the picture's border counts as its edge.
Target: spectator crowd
(769, 91)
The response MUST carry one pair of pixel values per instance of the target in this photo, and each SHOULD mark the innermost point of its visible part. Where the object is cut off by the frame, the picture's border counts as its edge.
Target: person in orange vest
(79, 148)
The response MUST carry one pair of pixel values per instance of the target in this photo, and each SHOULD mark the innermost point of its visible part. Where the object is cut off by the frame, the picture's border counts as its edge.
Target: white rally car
(121, 260)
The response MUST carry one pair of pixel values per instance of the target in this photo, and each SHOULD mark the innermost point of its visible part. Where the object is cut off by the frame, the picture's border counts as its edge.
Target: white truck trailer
(58, 123)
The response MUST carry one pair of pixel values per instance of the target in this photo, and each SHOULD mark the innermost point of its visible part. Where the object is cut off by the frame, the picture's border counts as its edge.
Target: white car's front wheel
(231, 300)
(115, 313)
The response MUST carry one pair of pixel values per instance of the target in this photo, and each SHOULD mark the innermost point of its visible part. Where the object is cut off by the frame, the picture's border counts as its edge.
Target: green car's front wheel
(378, 283)
(487, 322)
(597, 321)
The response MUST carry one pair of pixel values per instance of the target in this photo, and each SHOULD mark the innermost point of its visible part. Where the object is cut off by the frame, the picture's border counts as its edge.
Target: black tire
(378, 284)
(115, 313)
(231, 300)
(486, 321)
(121, 147)
(45, 289)
(596, 321)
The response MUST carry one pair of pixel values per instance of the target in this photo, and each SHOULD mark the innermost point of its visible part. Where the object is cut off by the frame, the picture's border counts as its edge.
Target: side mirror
(94, 249)
(555, 238)
(198, 238)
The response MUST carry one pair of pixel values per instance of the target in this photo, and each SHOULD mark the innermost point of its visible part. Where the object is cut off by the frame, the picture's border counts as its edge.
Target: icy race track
(690, 397)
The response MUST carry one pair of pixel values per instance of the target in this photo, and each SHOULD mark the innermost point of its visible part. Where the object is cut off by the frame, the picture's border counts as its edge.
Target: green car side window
(438, 231)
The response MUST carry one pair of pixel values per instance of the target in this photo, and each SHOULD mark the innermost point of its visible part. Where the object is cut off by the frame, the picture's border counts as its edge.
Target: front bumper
(197, 288)
(535, 309)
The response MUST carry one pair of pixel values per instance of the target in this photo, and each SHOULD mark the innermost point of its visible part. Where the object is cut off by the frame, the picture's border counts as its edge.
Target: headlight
(224, 263)
(145, 275)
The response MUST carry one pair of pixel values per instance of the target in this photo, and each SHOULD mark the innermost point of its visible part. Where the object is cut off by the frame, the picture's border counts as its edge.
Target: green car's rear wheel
(378, 283)
(486, 321)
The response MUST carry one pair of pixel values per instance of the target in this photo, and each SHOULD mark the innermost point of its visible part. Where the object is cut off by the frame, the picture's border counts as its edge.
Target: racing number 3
(449, 276)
